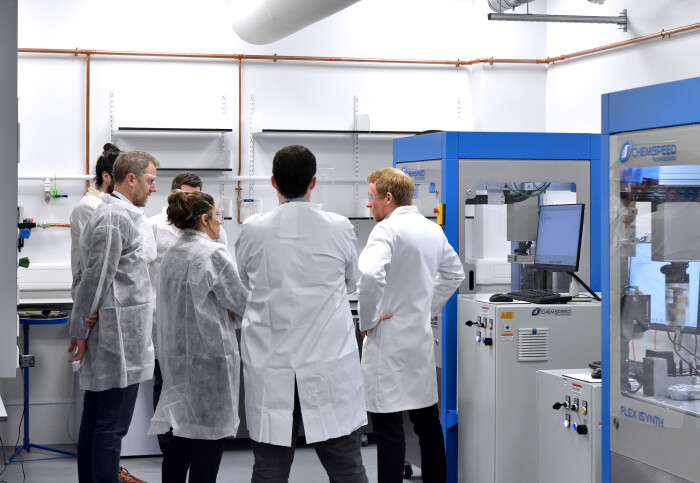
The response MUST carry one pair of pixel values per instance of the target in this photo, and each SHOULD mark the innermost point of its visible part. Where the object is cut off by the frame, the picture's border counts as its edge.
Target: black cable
(675, 349)
(19, 434)
(4, 460)
(595, 295)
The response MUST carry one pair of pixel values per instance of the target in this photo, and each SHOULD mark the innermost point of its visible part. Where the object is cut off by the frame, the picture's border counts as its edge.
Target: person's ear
(131, 179)
(106, 178)
(389, 197)
(312, 185)
(273, 182)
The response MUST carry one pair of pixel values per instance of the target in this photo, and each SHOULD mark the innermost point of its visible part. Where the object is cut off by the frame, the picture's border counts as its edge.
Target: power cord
(4, 460)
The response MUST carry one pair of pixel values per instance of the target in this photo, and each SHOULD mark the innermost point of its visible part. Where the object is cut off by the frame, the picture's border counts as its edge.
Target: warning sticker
(507, 315)
(507, 336)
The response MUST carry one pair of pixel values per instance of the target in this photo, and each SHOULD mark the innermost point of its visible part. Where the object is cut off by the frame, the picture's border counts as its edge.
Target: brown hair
(132, 162)
(190, 179)
(186, 208)
(394, 181)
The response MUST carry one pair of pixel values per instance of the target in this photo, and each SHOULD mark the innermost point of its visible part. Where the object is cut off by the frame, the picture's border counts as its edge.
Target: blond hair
(394, 181)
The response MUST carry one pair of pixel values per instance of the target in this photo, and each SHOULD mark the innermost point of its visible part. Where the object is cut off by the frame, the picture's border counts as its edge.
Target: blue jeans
(106, 418)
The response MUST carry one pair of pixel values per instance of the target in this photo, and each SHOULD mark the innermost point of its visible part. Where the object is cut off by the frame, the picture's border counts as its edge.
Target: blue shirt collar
(117, 194)
(287, 200)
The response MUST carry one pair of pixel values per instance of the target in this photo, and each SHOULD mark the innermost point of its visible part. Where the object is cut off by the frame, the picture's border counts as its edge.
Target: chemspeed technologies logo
(416, 174)
(555, 312)
(655, 151)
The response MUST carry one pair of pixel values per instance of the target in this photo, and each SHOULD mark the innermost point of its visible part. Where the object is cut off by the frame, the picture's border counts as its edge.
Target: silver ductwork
(501, 5)
(264, 21)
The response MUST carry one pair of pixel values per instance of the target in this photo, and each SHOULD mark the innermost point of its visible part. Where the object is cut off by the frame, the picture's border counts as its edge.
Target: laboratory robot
(486, 189)
(651, 323)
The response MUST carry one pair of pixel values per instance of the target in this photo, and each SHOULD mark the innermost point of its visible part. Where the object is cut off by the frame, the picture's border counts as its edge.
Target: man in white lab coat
(166, 235)
(104, 184)
(407, 270)
(113, 289)
(298, 343)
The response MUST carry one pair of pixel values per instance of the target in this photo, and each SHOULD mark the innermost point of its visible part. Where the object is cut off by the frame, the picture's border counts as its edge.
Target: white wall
(574, 87)
(188, 93)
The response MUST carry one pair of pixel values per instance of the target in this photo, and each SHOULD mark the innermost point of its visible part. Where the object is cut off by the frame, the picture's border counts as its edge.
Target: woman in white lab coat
(198, 352)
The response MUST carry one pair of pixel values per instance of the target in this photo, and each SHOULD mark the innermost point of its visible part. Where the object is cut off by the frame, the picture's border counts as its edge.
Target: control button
(581, 429)
(584, 407)
(487, 341)
(478, 336)
(567, 421)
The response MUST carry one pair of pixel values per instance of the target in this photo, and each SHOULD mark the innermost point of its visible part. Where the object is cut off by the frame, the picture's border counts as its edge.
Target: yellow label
(507, 315)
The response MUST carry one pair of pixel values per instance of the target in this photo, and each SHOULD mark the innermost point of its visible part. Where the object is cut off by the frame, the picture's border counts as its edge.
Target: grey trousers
(341, 457)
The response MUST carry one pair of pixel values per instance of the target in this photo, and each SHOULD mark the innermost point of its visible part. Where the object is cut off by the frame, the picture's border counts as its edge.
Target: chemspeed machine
(486, 189)
(651, 391)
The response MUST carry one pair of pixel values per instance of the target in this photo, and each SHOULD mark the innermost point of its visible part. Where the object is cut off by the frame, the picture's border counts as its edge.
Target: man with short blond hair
(408, 270)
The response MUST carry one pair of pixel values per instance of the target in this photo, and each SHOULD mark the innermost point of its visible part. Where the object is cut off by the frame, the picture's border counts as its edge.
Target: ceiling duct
(501, 5)
(264, 21)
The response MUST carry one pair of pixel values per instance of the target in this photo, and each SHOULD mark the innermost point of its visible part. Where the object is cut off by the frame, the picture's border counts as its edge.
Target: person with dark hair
(398, 360)
(197, 349)
(298, 341)
(112, 286)
(166, 234)
(104, 184)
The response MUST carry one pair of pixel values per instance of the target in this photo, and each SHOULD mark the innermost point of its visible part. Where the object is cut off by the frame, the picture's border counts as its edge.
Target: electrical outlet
(26, 360)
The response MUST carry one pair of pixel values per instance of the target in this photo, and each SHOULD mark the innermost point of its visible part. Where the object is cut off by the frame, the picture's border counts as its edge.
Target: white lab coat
(409, 269)
(78, 217)
(300, 263)
(198, 353)
(165, 236)
(113, 281)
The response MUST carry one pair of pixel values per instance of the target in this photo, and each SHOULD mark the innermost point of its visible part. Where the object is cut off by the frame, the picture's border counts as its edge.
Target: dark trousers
(106, 418)
(341, 457)
(201, 456)
(163, 439)
(391, 445)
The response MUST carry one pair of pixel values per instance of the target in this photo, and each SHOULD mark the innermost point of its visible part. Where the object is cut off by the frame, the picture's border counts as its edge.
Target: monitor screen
(559, 231)
(646, 276)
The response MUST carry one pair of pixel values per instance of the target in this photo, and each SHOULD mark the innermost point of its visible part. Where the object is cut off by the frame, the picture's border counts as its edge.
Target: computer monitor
(559, 232)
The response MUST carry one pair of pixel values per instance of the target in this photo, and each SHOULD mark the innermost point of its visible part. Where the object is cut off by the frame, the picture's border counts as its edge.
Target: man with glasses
(112, 287)
(408, 270)
(166, 235)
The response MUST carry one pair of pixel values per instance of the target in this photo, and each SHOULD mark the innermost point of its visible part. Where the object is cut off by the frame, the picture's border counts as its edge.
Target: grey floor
(236, 466)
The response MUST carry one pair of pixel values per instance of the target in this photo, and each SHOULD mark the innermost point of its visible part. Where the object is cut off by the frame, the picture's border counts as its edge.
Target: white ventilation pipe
(264, 21)
(501, 5)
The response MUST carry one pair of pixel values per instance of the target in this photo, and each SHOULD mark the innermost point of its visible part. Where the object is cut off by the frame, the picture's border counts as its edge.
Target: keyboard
(540, 297)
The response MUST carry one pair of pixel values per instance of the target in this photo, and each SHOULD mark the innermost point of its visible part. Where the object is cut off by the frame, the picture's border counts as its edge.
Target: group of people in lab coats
(288, 291)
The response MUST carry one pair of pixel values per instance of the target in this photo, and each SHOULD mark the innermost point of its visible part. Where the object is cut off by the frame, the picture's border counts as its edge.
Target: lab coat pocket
(108, 358)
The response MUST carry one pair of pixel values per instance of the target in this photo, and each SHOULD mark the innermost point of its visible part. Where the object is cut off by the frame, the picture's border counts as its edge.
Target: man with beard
(112, 287)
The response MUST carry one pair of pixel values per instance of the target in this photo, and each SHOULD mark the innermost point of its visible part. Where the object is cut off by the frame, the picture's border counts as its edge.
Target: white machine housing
(568, 438)
(496, 378)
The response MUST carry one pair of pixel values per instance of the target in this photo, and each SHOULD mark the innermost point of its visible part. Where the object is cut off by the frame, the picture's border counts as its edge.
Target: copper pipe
(635, 40)
(276, 57)
(87, 121)
(64, 225)
(240, 116)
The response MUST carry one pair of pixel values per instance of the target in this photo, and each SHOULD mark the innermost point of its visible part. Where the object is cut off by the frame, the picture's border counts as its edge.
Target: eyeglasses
(371, 197)
(151, 180)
